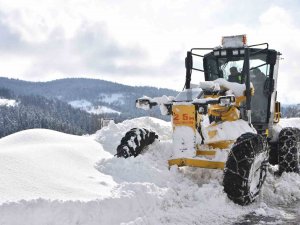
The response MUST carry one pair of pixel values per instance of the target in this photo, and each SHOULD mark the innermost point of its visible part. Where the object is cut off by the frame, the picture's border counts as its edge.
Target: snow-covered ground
(90, 108)
(49, 177)
(8, 102)
(47, 164)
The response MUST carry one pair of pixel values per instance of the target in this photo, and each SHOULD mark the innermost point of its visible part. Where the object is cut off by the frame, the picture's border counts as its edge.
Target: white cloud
(275, 16)
(277, 25)
(137, 42)
(14, 65)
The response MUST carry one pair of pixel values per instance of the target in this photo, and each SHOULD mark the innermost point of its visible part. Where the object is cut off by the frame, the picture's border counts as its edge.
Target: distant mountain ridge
(73, 88)
(118, 97)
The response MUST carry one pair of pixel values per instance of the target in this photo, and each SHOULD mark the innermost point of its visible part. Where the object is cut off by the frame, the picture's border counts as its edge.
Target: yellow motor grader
(225, 122)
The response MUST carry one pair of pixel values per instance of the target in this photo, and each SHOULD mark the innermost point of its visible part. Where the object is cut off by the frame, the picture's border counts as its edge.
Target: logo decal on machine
(184, 115)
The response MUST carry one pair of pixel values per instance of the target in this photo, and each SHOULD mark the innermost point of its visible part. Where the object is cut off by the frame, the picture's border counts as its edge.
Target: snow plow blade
(197, 163)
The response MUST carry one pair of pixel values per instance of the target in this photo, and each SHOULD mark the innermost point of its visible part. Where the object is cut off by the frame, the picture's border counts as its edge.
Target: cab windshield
(231, 68)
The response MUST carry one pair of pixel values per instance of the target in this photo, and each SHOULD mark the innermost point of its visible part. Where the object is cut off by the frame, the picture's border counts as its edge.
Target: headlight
(201, 109)
(226, 100)
(216, 53)
(235, 52)
(143, 104)
(223, 53)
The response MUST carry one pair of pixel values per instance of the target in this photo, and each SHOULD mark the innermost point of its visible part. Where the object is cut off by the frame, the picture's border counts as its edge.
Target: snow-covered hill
(102, 96)
(49, 177)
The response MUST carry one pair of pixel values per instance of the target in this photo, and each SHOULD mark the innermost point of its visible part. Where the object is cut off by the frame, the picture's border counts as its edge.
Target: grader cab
(226, 121)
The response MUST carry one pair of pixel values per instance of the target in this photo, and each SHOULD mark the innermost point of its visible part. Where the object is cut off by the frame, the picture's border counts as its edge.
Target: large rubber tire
(288, 150)
(246, 168)
(135, 141)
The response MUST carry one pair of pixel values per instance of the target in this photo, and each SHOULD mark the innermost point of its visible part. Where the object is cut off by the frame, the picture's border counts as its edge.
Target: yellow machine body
(190, 149)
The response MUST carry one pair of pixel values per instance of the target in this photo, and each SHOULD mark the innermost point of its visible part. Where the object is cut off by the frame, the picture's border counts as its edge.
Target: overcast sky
(139, 42)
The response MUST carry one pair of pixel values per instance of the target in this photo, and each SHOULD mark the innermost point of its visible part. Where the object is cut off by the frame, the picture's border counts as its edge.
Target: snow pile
(8, 102)
(90, 108)
(209, 85)
(176, 196)
(232, 87)
(287, 122)
(111, 135)
(282, 190)
(52, 178)
(41, 163)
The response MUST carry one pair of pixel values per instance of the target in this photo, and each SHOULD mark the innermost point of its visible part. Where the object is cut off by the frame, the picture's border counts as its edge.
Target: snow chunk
(210, 85)
(162, 101)
(219, 84)
(236, 88)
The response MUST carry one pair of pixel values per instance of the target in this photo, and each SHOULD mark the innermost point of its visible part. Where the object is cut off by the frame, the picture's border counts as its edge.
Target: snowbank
(41, 163)
(111, 135)
(286, 122)
(282, 190)
(139, 190)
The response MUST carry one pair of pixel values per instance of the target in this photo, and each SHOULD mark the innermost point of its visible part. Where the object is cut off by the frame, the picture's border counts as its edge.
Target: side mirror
(226, 100)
